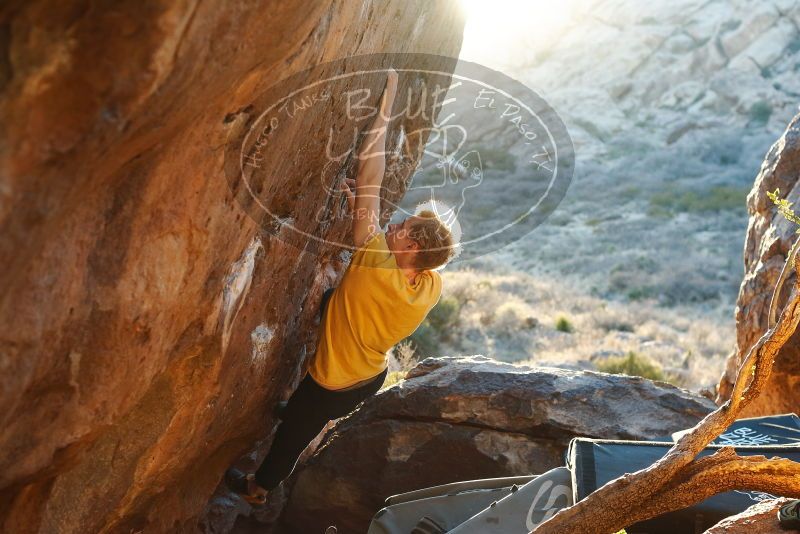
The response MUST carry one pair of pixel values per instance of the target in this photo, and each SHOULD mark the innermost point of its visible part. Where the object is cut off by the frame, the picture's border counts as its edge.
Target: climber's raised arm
(369, 311)
(371, 168)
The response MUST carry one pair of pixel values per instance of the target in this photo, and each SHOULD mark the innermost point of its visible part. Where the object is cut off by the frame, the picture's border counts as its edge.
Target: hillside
(671, 107)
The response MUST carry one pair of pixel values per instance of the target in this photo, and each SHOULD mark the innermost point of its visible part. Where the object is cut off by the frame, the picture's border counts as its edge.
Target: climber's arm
(366, 218)
(371, 168)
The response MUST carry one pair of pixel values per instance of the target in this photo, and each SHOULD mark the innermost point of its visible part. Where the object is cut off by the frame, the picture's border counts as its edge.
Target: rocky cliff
(147, 325)
(769, 238)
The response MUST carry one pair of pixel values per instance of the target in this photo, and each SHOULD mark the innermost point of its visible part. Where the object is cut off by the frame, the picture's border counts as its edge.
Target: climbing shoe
(245, 485)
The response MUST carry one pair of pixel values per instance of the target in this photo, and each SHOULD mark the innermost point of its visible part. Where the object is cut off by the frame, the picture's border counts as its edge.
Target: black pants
(309, 409)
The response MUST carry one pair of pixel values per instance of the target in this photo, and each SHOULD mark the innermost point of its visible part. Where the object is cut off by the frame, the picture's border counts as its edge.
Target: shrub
(508, 318)
(425, 340)
(794, 45)
(438, 326)
(612, 323)
(641, 293)
(719, 198)
(444, 315)
(404, 355)
(630, 192)
(632, 364)
(484, 284)
(760, 112)
(393, 378)
(563, 324)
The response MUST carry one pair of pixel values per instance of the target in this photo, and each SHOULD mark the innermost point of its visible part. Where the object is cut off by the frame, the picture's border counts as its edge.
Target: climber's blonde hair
(437, 244)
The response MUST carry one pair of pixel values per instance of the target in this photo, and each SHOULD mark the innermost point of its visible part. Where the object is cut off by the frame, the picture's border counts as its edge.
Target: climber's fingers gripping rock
(348, 188)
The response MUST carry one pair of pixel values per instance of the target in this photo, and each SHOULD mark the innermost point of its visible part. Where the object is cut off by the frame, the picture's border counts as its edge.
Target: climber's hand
(348, 188)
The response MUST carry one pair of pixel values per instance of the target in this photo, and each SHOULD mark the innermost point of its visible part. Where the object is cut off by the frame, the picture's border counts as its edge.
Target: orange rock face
(769, 238)
(147, 324)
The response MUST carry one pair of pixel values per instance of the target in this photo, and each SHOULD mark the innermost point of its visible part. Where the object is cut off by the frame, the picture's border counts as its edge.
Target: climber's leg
(341, 403)
(309, 409)
(245, 485)
(302, 419)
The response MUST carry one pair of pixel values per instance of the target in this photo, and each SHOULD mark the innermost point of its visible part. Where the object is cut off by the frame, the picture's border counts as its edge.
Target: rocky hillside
(648, 75)
(147, 326)
(672, 106)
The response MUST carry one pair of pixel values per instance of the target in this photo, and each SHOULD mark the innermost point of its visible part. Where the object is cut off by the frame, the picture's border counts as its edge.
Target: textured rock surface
(147, 326)
(760, 518)
(769, 238)
(460, 418)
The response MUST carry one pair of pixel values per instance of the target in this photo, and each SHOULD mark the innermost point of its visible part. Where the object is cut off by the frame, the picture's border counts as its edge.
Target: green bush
(641, 293)
(393, 378)
(630, 192)
(425, 341)
(760, 112)
(444, 315)
(794, 45)
(610, 324)
(719, 198)
(563, 324)
(632, 364)
(438, 326)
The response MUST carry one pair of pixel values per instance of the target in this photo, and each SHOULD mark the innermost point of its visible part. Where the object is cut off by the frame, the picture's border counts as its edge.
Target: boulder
(462, 418)
(769, 238)
(761, 518)
(148, 325)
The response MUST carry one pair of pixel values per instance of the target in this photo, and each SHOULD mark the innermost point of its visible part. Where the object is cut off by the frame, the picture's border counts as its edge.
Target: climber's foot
(789, 515)
(245, 485)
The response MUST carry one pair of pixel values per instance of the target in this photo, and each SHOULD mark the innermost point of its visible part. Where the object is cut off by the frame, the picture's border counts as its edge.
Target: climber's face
(401, 245)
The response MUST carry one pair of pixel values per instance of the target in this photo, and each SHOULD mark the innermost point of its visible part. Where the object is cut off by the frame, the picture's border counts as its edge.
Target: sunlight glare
(497, 31)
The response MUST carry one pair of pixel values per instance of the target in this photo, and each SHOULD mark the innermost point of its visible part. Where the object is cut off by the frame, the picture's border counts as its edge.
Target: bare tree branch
(773, 303)
(718, 473)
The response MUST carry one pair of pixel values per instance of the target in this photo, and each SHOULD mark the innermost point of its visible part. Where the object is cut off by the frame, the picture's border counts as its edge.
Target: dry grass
(513, 317)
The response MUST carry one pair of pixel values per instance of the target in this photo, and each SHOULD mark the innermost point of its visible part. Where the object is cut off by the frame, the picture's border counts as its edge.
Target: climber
(385, 293)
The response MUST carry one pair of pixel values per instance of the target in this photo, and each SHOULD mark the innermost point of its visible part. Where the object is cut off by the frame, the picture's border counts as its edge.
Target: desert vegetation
(535, 320)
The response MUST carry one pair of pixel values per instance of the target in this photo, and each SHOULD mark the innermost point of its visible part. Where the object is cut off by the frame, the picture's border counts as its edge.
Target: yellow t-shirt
(372, 309)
